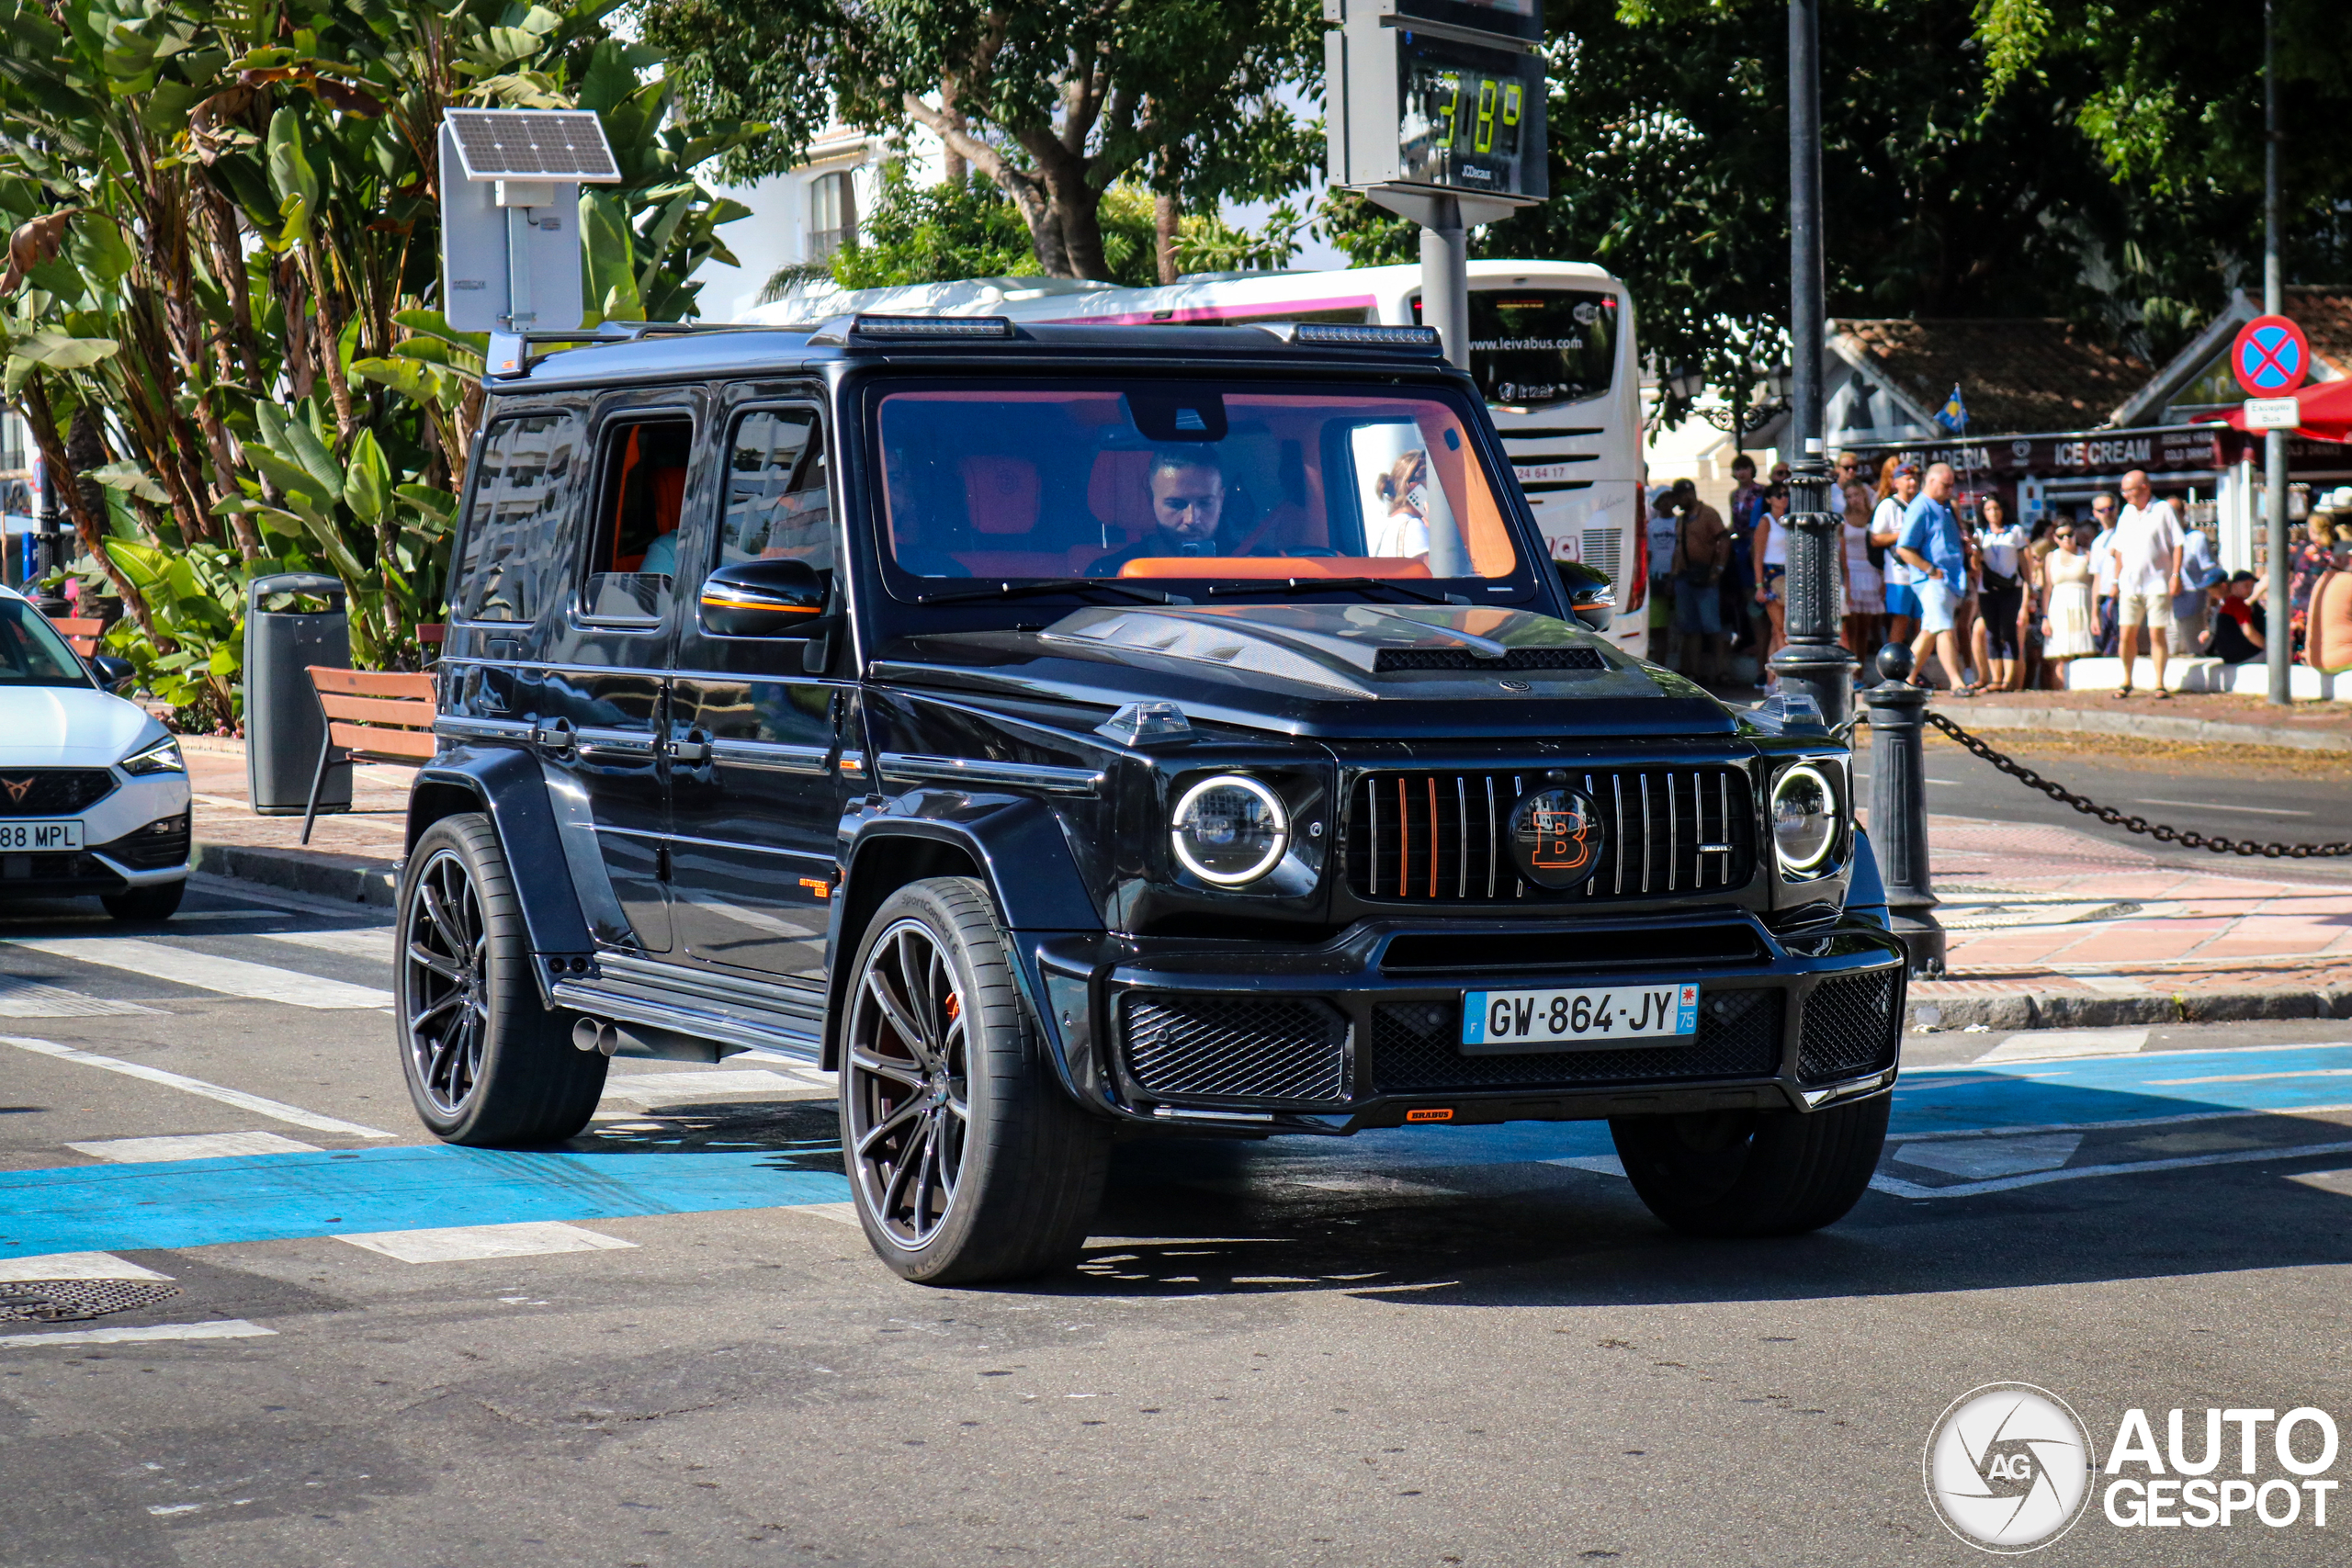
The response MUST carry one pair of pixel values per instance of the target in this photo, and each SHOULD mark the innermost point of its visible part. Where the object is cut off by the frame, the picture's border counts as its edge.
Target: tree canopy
(1055, 102)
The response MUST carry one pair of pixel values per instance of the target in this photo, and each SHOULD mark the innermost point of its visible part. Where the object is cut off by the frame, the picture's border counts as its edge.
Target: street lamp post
(1813, 662)
(2274, 442)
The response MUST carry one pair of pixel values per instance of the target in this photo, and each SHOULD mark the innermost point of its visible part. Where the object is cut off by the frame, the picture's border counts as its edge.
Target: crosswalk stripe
(368, 942)
(29, 998)
(193, 1145)
(459, 1244)
(72, 1266)
(276, 1110)
(228, 977)
(234, 1328)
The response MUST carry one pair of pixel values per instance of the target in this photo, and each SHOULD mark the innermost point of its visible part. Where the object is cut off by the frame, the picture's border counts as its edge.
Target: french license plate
(1498, 1022)
(41, 835)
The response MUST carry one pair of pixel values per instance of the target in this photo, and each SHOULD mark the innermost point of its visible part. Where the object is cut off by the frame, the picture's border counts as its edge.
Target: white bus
(1551, 346)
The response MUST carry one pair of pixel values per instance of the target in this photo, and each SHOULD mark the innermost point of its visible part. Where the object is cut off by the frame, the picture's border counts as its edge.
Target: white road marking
(194, 1146)
(2209, 805)
(366, 941)
(1983, 1157)
(1599, 1165)
(276, 1110)
(2256, 1077)
(841, 1214)
(233, 1328)
(2055, 1044)
(228, 977)
(29, 998)
(1898, 1188)
(459, 1244)
(647, 1087)
(74, 1265)
(2124, 1124)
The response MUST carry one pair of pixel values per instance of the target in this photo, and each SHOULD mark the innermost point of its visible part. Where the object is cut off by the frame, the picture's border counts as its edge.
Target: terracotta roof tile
(2325, 316)
(2015, 374)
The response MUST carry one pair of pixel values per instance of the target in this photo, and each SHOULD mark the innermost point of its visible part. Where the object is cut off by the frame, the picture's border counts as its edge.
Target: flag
(1953, 415)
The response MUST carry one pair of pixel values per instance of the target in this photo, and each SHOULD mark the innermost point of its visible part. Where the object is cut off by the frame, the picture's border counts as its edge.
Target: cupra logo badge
(2007, 1467)
(18, 789)
(1558, 836)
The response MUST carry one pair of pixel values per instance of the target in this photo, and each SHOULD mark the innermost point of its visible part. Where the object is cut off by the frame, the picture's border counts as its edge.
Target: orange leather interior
(1274, 566)
(1000, 494)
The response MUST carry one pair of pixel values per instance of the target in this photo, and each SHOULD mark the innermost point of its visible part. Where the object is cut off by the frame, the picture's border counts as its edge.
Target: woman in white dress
(2070, 629)
(1405, 531)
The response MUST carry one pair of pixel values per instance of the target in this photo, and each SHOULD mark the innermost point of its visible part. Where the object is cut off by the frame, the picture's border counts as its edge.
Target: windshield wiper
(1320, 584)
(1052, 585)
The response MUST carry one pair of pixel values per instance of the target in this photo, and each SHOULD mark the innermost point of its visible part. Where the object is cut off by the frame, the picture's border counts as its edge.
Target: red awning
(2327, 411)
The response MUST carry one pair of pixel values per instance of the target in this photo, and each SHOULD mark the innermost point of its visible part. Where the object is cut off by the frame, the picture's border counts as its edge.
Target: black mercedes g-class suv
(1059, 730)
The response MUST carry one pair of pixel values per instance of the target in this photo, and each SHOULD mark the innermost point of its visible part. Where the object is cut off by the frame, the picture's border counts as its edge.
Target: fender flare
(509, 786)
(1015, 842)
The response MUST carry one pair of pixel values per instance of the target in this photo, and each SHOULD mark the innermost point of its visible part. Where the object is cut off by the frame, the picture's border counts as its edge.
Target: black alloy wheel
(486, 1063)
(969, 1161)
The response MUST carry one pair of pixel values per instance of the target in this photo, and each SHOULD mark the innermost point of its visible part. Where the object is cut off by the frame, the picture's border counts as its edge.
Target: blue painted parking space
(2113, 1090)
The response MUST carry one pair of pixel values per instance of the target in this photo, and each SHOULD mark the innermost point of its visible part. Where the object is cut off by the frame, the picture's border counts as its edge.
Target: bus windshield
(1166, 479)
(1530, 346)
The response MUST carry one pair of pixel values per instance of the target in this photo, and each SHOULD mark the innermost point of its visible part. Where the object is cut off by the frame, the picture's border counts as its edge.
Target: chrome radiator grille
(1444, 837)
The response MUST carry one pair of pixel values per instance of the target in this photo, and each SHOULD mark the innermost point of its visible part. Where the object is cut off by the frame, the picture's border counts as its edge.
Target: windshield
(1191, 482)
(31, 653)
(1530, 346)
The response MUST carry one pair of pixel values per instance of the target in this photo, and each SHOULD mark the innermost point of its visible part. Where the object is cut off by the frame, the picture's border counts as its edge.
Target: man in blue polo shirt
(1930, 545)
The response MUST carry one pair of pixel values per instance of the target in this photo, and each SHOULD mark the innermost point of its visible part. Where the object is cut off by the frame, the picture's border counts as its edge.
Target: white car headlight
(1804, 817)
(162, 757)
(1229, 830)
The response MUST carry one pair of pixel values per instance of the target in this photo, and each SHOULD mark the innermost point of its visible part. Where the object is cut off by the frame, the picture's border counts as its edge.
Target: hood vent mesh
(1396, 658)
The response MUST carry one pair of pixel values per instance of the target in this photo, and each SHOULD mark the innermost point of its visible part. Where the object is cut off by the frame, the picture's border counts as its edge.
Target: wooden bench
(81, 631)
(380, 716)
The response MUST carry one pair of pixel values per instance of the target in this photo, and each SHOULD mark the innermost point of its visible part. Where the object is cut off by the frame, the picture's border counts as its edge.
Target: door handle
(694, 749)
(555, 734)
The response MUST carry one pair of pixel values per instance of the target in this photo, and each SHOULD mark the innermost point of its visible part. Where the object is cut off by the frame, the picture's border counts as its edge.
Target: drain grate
(72, 1301)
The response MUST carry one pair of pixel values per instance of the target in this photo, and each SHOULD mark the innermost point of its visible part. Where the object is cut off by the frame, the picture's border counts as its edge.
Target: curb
(2062, 1010)
(347, 879)
(1970, 715)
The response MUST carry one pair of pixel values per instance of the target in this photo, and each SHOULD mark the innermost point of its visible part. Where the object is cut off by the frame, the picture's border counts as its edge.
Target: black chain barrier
(2114, 818)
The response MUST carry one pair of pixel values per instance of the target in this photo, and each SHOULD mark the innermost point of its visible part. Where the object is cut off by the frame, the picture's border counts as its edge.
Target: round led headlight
(1804, 817)
(1229, 830)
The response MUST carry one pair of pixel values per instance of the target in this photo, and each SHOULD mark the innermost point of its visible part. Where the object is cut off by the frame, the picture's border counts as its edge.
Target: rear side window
(512, 561)
(776, 503)
(633, 560)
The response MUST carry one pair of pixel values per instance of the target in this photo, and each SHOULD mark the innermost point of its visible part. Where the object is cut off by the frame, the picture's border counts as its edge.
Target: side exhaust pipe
(644, 1041)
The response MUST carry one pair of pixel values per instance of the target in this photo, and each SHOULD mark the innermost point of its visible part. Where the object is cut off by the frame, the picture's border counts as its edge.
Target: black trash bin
(282, 723)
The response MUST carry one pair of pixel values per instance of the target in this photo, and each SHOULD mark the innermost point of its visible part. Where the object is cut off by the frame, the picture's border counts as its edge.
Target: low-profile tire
(157, 901)
(1753, 1173)
(486, 1064)
(969, 1162)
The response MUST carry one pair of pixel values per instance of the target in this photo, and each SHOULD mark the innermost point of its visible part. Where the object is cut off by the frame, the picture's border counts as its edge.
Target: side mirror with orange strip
(763, 598)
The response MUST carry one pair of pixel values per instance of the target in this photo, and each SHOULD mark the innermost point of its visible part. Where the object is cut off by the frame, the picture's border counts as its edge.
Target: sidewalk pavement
(2051, 928)
(2238, 718)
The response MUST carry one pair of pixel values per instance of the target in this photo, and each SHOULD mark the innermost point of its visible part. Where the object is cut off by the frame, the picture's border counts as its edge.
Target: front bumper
(137, 859)
(1362, 1032)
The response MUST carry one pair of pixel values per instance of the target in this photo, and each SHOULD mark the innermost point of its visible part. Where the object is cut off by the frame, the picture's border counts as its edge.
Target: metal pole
(1445, 279)
(1813, 662)
(51, 552)
(2274, 442)
(1899, 808)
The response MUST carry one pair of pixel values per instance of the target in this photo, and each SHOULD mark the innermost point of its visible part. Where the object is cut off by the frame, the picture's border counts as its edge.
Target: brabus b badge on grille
(1557, 836)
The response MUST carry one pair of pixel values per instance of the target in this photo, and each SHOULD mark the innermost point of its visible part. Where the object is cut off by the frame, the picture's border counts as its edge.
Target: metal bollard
(1812, 663)
(1899, 808)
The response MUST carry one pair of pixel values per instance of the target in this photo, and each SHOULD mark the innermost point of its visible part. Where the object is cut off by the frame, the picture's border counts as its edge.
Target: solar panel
(533, 144)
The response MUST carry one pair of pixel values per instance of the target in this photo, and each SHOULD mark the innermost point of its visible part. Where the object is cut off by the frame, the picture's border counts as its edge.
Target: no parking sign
(2271, 357)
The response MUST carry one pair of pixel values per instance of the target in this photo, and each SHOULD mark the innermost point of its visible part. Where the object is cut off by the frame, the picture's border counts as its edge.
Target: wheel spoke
(905, 1113)
(447, 969)
(437, 909)
(909, 1032)
(416, 1022)
(904, 1166)
(923, 1210)
(918, 990)
(883, 1066)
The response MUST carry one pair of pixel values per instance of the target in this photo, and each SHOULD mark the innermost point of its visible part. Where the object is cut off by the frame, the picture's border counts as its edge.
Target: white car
(94, 797)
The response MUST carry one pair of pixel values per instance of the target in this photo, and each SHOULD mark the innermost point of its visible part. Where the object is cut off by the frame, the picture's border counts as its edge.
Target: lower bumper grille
(1414, 1048)
(1216, 1047)
(1849, 1028)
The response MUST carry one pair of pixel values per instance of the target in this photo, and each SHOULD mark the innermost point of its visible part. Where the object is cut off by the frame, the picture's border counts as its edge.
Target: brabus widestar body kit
(1065, 731)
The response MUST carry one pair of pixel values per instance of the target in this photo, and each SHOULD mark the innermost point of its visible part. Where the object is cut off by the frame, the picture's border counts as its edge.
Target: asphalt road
(1434, 1346)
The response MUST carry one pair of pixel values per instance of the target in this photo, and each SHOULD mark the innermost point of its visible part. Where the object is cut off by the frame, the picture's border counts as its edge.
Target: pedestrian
(1772, 538)
(2199, 572)
(2313, 557)
(2237, 635)
(1930, 546)
(1702, 551)
(1747, 495)
(2070, 619)
(1660, 535)
(2000, 620)
(2102, 569)
(1898, 484)
(2145, 550)
(1865, 588)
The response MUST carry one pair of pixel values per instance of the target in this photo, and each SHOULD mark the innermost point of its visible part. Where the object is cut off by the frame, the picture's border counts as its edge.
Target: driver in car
(1187, 509)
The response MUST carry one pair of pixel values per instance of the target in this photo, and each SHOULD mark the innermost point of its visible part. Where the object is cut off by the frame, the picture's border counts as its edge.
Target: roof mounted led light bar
(932, 326)
(1423, 339)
